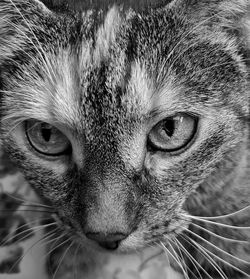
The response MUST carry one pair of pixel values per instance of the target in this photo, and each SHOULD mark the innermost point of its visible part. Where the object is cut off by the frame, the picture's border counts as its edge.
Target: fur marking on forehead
(59, 90)
(106, 33)
(104, 37)
(140, 86)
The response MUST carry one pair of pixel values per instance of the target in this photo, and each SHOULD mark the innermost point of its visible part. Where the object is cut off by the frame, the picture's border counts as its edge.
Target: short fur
(105, 79)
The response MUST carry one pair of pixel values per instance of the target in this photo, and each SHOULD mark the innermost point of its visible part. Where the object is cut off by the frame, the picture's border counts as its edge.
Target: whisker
(223, 216)
(26, 210)
(32, 230)
(54, 240)
(221, 237)
(160, 246)
(27, 251)
(36, 206)
(215, 223)
(205, 255)
(176, 260)
(216, 247)
(31, 203)
(62, 258)
(214, 264)
(51, 235)
(181, 260)
(190, 257)
(174, 240)
(57, 246)
(32, 222)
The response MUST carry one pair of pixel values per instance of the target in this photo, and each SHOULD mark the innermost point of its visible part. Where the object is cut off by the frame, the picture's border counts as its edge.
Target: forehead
(137, 56)
(95, 75)
(113, 70)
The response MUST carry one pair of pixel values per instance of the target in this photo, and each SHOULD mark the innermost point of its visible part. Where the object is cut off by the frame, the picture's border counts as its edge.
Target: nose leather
(110, 245)
(109, 241)
(101, 237)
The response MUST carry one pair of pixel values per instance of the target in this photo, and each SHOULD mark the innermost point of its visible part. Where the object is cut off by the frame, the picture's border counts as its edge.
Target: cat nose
(108, 241)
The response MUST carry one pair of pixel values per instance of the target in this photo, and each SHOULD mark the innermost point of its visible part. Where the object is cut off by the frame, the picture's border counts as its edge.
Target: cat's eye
(46, 139)
(173, 133)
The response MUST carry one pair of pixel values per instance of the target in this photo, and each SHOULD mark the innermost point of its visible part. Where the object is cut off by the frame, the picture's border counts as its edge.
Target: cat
(133, 126)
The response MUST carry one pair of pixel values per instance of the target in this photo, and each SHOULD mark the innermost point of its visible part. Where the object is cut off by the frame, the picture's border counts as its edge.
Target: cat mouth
(97, 243)
(120, 243)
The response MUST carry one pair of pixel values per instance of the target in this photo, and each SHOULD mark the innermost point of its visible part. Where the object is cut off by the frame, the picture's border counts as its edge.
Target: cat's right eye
(173, 133)
(46, 139)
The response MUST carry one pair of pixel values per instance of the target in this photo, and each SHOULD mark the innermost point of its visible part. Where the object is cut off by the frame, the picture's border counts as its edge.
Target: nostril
(112, 245)
(109, 241)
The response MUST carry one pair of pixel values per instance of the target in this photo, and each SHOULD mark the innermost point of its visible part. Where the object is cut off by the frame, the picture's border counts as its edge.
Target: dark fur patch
(11, 264)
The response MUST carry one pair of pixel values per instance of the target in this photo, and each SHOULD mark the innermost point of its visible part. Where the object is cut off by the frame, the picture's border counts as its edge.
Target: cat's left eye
(46, 139)
(173, 133)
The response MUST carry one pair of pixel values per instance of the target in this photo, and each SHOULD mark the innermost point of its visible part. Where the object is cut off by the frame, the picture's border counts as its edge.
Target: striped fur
(105, 79)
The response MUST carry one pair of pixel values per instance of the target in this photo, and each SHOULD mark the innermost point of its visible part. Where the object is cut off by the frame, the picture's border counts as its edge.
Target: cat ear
(235, 16)
(234, 19)
(17, 20)
(230, 18)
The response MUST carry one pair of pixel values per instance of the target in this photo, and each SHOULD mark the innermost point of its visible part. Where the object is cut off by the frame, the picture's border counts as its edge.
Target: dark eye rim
(67, 151)
(154, 148)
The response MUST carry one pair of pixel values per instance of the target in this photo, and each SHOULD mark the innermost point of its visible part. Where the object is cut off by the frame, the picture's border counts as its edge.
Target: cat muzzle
(107, 241)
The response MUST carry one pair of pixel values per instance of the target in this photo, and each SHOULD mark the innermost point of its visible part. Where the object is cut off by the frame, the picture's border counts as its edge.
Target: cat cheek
(157, 164)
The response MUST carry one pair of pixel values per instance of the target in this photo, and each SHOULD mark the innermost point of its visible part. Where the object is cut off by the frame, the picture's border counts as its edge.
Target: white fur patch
(42, 7)
(64, 89)
(106, 34)
(140, 87)
(51, 96)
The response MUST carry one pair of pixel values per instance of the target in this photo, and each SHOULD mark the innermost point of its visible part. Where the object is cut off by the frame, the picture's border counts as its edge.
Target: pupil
(169, 127)
(46, 134)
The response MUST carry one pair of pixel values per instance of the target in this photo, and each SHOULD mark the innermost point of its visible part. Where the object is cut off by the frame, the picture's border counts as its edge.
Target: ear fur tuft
(235, 16)
(229, 17)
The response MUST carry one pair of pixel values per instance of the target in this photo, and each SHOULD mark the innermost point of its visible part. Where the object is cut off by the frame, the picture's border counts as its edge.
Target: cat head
(116, 118)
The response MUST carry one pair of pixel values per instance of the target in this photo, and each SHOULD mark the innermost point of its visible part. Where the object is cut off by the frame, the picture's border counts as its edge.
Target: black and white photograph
(124, 139)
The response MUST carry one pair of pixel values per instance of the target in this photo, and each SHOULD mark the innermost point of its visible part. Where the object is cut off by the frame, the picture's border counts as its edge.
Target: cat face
(117, 118)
